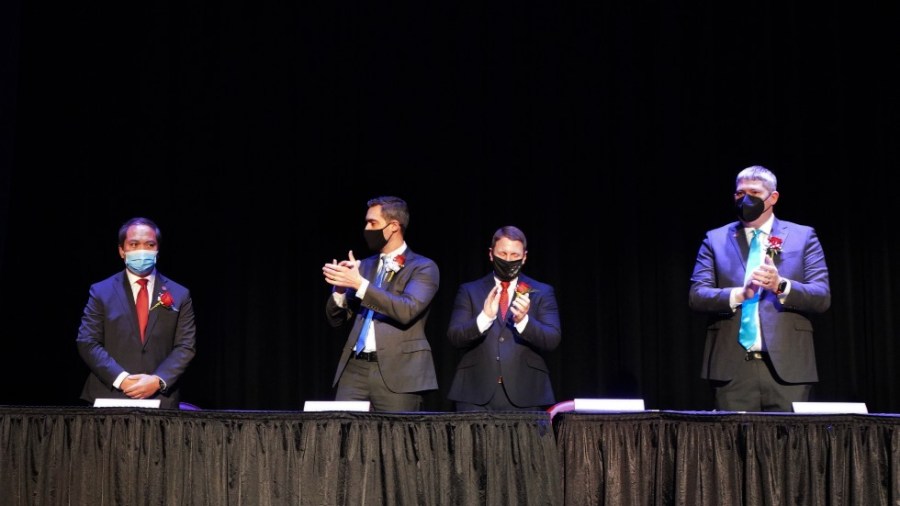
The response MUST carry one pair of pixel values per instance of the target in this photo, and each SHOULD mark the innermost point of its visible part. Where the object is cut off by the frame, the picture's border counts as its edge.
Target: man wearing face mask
(759, 279)
(137, 334)
(387, 359)
(503, 342)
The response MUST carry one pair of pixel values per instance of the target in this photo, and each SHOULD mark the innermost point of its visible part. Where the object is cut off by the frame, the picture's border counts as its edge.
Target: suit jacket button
(501, 339)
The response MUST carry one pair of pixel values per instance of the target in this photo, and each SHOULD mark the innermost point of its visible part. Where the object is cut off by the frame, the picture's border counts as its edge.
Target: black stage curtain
(747, 459)
(120, 456)
(253, 132)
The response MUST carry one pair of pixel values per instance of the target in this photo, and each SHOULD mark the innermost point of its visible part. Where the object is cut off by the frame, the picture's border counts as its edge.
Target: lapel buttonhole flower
(165, 300)
(393, 265)
(523, 288)
(774, 246)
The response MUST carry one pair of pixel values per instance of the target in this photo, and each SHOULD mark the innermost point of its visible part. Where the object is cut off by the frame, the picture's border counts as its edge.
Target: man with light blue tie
(387, 358)
(759, 279)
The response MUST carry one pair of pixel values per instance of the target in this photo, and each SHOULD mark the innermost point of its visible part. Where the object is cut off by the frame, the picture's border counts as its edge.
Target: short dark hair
(512, 233)
(392, 208)
(123, 230)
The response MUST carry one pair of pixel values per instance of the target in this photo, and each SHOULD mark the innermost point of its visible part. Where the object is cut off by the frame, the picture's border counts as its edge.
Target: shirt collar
(398, 251)
(133, 278)
(765, 228)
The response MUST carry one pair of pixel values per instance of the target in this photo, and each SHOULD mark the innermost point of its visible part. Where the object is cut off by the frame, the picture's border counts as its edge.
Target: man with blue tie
(387, 358)
(759, 279)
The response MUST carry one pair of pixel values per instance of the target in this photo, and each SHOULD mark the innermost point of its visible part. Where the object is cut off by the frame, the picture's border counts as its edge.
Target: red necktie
(504, 299)
(143, 307)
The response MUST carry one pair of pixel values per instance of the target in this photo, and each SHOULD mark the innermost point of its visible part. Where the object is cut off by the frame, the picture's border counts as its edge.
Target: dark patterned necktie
(504, 299)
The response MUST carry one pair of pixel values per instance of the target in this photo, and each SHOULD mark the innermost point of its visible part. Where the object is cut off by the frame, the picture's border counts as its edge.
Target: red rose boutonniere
(393, 265)
(774, 246)
(165, 300)
(523, 288)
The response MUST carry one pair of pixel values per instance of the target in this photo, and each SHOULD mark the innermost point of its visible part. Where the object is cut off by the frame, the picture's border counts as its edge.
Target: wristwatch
(162, 386)
(782, 286)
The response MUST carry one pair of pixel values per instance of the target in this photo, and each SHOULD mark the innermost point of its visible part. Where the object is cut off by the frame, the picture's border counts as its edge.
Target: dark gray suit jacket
(402, 305)
(502, 350)
(786, 329)
(109, 340)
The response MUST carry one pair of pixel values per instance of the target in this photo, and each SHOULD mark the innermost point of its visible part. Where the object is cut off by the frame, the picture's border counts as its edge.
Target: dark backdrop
(610, 132)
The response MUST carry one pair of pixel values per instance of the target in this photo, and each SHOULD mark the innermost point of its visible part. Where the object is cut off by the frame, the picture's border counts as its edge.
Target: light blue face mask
(140, 261)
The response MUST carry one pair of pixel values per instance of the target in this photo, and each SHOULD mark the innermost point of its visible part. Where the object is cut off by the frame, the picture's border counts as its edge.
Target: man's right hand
(492, 303)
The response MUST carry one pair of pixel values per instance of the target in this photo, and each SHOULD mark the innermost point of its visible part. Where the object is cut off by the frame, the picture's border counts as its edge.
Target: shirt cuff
(362, 288)
(340, 299)
(732, 299)
(787, 289)
(521, 325)
(484, 322)
(120, 379)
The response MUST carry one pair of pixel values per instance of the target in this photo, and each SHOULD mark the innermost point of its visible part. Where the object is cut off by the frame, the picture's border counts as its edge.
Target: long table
(126, 456)
(130, 457)
(708, 458)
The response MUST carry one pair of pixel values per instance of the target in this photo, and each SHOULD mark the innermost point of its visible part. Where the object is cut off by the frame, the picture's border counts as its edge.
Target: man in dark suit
(503, 367)
(768, 362)
(387, 359)
(126, 360)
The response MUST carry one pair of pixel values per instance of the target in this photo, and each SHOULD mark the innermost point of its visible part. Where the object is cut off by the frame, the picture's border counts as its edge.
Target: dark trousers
(755, 386)
(362, 381)
(499, 402)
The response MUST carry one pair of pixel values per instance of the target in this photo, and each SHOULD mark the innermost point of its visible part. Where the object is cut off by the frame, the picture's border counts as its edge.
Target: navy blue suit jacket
(401, 306)
(786, 330)
(109, 340)
(502, 350)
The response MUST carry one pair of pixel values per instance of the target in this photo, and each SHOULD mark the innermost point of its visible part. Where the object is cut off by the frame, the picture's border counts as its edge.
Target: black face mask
(375, 239)
(506, 270)
(749, 208)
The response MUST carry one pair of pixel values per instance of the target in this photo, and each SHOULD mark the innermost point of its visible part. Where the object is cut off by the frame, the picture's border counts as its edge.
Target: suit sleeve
(543, 330)
(413, 300)
(705, 294)
(812, 293)
(463, 330)
(91, 341)
(183, 346)
(335, 314)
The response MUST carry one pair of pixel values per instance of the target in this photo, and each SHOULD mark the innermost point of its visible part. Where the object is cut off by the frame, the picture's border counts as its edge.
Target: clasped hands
(765, 276)
(519, 307)
(140, 386)
(344, 274)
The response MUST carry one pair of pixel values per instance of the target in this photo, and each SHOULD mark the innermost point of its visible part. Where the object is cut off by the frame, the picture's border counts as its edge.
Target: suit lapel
(780, 231)
(739, 244)
(125, 297)
(370, 269)
(402, 274)
(158, 287)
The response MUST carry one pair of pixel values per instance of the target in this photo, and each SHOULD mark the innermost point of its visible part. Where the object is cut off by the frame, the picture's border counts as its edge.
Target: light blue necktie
(361, 340)
(750, 307)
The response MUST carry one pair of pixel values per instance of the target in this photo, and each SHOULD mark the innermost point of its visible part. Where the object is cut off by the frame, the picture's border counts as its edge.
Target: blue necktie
(750, 307)
(361, 340)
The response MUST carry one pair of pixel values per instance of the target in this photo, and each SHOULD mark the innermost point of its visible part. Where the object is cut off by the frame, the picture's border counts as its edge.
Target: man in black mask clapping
(504, 322)
(385, 299)
(759, 279)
